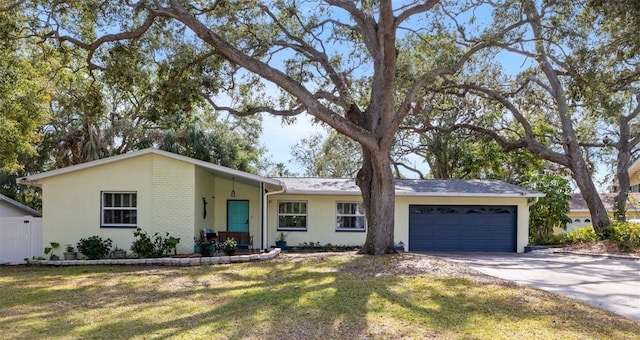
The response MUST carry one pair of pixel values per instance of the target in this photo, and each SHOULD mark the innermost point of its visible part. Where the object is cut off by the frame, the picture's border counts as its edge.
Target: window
(350, 216)
(119, 209)
(292, 215)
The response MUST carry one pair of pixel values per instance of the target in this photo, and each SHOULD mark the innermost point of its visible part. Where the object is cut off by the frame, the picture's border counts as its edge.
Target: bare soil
(599, 248)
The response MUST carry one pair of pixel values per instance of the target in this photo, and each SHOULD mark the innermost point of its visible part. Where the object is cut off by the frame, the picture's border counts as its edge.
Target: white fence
(20, 238)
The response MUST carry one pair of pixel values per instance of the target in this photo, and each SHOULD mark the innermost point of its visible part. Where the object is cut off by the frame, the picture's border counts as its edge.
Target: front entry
(237, 215)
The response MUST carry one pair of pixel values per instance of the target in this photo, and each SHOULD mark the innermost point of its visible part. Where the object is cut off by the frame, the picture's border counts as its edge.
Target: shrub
(585, 234)
(543, 240)
(626, 235)
(145, 246)
(94, 247)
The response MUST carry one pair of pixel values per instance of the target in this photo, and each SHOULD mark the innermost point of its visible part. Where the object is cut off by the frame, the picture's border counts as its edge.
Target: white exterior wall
(10, 210)
(71, 201)
(169, 197)
(321, 221)
(223, 187)
(321, 217)
(204, 187)
(402, 214)
(173, 202)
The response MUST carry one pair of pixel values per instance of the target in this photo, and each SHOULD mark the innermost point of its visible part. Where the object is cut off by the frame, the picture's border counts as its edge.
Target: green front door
(238, 215)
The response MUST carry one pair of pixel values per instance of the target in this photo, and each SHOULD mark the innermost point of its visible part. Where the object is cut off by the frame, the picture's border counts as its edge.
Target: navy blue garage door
(462, 228)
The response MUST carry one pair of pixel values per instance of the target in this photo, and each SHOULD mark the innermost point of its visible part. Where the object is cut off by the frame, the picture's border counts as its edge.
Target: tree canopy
(380, 73)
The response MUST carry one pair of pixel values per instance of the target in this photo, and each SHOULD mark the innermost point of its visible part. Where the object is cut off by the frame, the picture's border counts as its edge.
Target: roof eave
(33, 180)
(414, 194)
(468, 194)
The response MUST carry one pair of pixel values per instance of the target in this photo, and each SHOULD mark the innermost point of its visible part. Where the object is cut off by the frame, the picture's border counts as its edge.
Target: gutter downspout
(533, 202)
(265, 215)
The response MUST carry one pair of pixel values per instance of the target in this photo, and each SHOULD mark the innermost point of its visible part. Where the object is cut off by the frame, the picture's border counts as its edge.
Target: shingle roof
(577, 202)
(409, 187)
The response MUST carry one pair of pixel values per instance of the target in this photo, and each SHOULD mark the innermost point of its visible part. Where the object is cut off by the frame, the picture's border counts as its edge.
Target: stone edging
(164, 261)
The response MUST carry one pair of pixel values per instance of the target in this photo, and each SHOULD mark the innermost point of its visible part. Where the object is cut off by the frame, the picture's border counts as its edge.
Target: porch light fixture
(233, 187)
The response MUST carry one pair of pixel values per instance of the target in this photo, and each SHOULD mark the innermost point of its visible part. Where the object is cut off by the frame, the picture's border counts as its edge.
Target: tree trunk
(599, 218)
(376, 183)
(622, 171)
(620, 201)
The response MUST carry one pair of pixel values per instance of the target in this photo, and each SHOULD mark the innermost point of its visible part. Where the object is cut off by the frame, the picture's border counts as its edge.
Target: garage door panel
(462, 228)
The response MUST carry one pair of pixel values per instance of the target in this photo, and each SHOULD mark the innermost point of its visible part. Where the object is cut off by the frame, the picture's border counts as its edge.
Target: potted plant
(202, 246)
(281, 242)
(52, 246)
(70, 252)
(229, 246)
(118, 252)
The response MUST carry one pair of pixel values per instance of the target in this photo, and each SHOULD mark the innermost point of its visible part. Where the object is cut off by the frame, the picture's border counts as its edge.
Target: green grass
(329, 297)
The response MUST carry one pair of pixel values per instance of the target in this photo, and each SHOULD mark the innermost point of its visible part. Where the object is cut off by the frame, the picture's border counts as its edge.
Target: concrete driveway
(612, 284)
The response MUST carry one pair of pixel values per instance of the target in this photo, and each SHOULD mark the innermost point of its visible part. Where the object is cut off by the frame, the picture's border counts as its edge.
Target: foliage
(94, 247)
(336, 63)
(50, 249)
(551, 210)
(454, 153)
(535, 106)
(229, 246)
(626, 235)
(158, 246)
(548, 239)
(282, 237)
(582, 235)
(333, 156)
(69, 248)
(204, 245)
(24, 90)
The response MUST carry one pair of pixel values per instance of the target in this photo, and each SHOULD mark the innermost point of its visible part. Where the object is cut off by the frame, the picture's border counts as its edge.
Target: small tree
(550, 211)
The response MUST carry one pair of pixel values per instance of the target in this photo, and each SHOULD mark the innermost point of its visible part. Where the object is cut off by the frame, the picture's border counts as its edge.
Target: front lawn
(324, 296)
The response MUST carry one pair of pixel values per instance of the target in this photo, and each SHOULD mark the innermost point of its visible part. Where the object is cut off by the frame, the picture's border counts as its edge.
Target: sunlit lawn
(343, 296)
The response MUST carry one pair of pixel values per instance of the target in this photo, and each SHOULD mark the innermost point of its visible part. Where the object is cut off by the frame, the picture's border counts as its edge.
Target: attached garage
(463, 228)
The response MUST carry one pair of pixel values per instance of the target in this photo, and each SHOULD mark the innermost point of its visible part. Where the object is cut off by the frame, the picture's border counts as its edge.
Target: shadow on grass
(332, 297)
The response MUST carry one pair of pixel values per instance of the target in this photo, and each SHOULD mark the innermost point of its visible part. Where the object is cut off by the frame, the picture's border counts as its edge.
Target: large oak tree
(335, 60)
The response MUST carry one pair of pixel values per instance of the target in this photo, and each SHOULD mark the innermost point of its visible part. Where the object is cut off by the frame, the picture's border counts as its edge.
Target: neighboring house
(634, 176)
(163, 192)
(20, 231)
(13, 208)
(579, 212)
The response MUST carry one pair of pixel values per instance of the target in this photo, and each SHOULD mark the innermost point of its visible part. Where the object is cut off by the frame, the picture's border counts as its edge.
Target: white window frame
(133, 208)
(293, 214)
(356, 215)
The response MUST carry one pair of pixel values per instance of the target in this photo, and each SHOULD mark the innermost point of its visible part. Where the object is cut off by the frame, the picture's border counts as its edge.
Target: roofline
(33, 179)
(15, 203)
(407, 194)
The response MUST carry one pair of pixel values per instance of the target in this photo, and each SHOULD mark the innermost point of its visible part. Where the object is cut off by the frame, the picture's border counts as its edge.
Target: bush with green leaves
(94, 247)
(550, 211)
(158, 246)
(625, 234)
(582, 235)
(543, 240)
